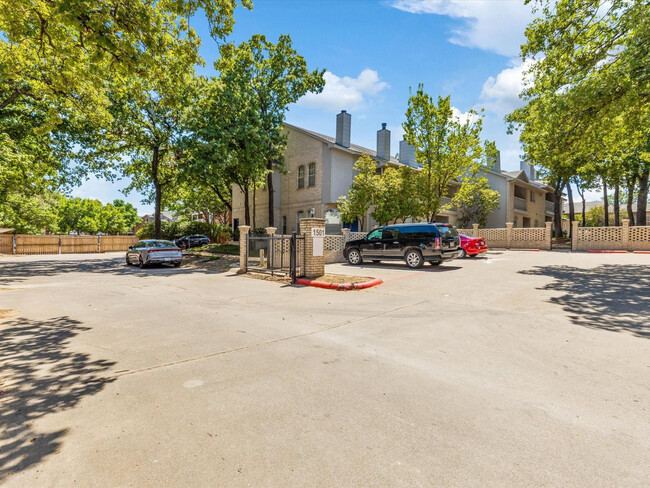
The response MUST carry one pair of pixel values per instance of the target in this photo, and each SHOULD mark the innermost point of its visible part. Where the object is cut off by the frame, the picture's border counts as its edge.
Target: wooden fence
(55, 244)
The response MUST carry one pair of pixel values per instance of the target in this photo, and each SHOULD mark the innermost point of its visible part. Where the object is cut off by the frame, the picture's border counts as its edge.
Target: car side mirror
(130, 248)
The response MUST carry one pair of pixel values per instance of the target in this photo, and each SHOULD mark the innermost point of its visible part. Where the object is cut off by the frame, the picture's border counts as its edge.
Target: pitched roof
(332, 140)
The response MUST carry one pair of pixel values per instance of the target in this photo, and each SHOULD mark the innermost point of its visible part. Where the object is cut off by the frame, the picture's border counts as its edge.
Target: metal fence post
(99, 243)
(13, 243)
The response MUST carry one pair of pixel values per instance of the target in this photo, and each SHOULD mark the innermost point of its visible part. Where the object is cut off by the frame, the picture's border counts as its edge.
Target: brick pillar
(574, 236)
(346, 234)
(548, 235)
(474, 230)
(314, 265)
(508, 234)
(243, 243)
(625, 234)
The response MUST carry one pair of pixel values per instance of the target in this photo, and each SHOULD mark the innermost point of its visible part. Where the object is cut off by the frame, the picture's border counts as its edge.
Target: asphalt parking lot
(516, 369)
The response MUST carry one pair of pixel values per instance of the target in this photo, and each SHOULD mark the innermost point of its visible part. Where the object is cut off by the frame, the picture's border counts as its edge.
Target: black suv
(414, 243)
(195, 240)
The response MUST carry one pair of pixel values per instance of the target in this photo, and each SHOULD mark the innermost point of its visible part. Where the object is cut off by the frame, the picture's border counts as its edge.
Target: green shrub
(218, 233)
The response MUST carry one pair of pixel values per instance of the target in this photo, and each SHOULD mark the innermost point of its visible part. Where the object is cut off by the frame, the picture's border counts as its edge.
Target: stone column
(346, 234)
(243, 243)
(474, 230)
(271, 257)
(548, 235)
(314, 265)
(574, 236)
(625, 234)
(508, 234)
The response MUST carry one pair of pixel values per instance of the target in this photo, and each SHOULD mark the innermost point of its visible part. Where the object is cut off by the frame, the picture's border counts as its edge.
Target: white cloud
(495, 25)
(501, 94)
(345, 93)
(464, 117)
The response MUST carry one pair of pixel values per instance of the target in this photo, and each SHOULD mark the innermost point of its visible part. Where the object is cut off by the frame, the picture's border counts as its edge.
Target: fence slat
(49, 244)
(6, 243)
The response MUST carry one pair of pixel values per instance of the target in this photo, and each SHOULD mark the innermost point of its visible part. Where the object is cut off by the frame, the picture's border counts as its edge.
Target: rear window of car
(162, 244)
(447, 231)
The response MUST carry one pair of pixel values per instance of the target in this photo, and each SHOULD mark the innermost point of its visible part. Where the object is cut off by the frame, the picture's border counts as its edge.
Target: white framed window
(312, 174)
(301, 176)
(532, 196)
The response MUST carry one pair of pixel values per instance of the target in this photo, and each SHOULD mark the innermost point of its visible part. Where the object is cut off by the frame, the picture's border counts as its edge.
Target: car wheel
(177, 265)
(435, 263)
(140, 262)
(414, 259)
(354, 256)
(473, 255)
(462, 254)
(128, 262)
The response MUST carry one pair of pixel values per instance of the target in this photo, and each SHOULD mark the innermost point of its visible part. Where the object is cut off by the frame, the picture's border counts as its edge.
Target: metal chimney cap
(344, 111)
(383, 125)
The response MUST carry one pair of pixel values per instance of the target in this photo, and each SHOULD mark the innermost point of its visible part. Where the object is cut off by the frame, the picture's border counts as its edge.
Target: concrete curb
(339, 286)
(640, 252)
(605, 251)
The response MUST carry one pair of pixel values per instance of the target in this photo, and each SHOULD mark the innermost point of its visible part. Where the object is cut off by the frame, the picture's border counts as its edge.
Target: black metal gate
(280, 255)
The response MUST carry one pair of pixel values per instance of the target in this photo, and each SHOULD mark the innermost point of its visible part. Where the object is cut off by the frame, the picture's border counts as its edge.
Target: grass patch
(232, 249)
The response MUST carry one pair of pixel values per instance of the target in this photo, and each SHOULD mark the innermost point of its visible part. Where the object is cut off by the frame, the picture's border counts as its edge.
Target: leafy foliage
(362, 193)
(173, 230)
(475, 201)
(448, 149)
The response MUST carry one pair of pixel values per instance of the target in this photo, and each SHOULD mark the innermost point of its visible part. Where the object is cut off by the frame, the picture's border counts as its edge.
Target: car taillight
(151, 250)
(437, 242)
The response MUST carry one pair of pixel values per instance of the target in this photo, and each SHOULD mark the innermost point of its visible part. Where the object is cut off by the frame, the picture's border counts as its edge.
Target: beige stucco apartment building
(319, 169)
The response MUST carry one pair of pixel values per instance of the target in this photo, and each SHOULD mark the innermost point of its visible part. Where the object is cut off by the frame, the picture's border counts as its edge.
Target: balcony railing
(550, 207)
(520, 204)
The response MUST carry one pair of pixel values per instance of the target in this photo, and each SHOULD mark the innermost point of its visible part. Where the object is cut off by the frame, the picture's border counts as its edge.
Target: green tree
(586, 92)
(362, 192)
(117, 218)
(394, 198)
(223, 136)
(475, 201)
(81, 215)
(274, 75)
(447, 148)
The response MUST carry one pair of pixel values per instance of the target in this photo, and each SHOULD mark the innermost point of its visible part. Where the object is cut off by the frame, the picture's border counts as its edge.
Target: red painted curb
(603, 251)
(339, 286)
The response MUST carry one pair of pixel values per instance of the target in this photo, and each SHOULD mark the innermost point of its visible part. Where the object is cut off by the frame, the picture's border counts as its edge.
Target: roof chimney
(343, 123)
(406, 153)
(383, 143)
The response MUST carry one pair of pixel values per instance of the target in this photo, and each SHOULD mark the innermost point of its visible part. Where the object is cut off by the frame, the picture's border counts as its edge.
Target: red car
(471, 246)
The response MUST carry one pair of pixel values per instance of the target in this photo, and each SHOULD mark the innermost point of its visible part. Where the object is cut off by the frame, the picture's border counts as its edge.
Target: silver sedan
(152, 251)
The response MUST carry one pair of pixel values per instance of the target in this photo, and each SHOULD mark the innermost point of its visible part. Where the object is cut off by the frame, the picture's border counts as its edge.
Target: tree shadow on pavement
(15, 271)
(39, 375)
(609, 297)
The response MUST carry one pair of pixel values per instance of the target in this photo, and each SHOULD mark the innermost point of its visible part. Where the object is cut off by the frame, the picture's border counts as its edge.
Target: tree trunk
(631, 183)
(642, 201)
(247, 210)
(605, 203)
(254, 209)
(269, 188)
(557, 207)
(156, 184)
(572, 210)
(582, 197)
(617, 210)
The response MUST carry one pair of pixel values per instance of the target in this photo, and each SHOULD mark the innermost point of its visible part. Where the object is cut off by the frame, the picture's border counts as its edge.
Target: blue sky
(374, 51)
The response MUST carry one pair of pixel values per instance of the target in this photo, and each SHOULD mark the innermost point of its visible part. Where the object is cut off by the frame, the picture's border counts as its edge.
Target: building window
(301, 215)
(532, 196)
(312, 174)
(284, 225)
(301, 177)
(514, 222)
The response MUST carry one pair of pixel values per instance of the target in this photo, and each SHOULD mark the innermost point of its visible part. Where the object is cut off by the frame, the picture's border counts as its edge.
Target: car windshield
(374, 235)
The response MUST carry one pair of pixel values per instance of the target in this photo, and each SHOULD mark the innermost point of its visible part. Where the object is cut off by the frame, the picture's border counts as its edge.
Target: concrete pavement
(519, 369)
